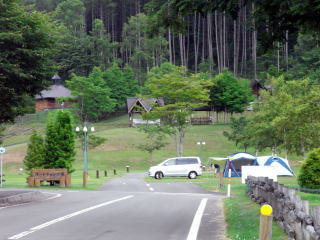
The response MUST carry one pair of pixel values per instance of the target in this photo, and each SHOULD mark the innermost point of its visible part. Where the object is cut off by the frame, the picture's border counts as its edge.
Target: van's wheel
(192, 175)
(158, 175)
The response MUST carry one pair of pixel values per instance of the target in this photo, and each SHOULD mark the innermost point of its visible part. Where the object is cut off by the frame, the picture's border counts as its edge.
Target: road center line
(39, 227)
(193, 233)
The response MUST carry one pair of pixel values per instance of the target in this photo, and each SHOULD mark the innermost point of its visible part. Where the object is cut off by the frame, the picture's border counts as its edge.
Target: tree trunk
(254, 48)
(180, 143)
(210, 49)
(195, 42)
(234, 47)
(287, 52)
(278, 57)
(224, 64)
(170, 48)
(217, 41)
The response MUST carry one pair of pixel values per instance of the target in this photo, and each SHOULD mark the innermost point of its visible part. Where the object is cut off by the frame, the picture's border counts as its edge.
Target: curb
(22, 198)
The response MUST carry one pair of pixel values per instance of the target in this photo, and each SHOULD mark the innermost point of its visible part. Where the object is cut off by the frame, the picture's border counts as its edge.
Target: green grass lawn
(14, 180)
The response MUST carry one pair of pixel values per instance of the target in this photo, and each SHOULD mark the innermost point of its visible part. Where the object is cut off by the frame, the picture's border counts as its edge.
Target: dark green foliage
(35, 153)
(229, 93)
(27, 105)
(93, 95)
(239, 132)
(309, 176)
(275, 16)
(306, 58)
(121, 82)
(2, 128)
(27, 41)
(60, 142)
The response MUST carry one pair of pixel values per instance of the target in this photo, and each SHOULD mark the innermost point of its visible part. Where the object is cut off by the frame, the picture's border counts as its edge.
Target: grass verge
(19, 181)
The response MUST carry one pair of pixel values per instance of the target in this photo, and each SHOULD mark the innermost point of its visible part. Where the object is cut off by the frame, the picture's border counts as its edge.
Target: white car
(177, 167)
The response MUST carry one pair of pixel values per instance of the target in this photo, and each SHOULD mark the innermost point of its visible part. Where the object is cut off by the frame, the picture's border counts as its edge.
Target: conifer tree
(35, 152)
(309, 172)
(60, 142)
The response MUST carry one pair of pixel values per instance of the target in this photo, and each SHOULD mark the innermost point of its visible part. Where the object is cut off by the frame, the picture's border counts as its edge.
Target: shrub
(309, 176)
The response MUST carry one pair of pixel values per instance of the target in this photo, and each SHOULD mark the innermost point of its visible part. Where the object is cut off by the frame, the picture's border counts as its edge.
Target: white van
(177, 167)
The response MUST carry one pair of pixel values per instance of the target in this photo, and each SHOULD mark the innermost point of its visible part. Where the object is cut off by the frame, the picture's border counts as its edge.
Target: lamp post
(85, 153)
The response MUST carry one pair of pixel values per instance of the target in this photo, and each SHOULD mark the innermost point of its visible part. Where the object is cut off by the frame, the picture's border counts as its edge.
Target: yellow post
(265, 222)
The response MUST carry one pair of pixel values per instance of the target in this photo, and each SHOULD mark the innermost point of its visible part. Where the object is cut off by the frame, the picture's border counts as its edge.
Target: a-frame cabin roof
(147, 104)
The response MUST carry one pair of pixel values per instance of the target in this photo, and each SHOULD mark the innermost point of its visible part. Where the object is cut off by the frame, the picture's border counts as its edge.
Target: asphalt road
(125, 208)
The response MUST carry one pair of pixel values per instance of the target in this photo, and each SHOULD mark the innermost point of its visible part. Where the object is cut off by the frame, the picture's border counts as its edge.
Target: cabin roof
(54, 91)
(146, 103)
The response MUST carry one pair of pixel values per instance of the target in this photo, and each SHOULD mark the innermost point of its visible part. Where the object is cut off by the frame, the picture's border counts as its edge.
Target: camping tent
(236, 161)
(280, 165)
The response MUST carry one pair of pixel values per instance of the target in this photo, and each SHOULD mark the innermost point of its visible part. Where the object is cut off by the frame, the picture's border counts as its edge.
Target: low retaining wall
(19, 198)
(289, 211)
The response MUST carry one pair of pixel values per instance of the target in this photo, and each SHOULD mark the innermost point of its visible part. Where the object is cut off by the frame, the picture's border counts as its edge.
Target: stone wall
(292, 214)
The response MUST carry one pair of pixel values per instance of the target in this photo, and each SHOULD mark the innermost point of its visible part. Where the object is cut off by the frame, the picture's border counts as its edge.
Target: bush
(309, 176)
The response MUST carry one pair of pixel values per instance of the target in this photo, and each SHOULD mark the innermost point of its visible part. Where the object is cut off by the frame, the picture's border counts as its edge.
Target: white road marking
(151, 189)
(193, 233)
(39, 227)
(148, 185)
(190, 194)
(21, 234)
(56, 195)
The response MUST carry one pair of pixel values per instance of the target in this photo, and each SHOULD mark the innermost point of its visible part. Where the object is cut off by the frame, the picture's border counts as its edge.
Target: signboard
(2, 150)
(258, 171)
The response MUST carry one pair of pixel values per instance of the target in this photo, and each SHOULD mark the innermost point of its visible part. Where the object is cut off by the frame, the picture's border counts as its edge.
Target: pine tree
(35, 153)
(60, 142)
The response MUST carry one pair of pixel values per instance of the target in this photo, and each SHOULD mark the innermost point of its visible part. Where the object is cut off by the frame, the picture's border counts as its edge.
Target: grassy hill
(120, 149)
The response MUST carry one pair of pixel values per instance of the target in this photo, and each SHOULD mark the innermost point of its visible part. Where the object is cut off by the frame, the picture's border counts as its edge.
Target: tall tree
(93, 95)
(121, 82)
(229, 93)
(142, 52)
(27, 42)
(181, 93)
(60, 142)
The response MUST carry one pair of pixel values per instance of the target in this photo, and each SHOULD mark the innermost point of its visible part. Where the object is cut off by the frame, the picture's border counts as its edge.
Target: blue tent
(236, 161)
(280, 165)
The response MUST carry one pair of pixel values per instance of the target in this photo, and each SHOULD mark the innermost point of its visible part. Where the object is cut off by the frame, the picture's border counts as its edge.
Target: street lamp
(85, 153)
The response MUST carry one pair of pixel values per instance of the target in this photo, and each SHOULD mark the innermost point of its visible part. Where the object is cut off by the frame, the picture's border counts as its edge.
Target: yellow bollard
(265, 222)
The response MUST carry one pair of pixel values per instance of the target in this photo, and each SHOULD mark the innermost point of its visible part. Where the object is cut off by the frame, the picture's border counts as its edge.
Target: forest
(137, 33)
(108, 50)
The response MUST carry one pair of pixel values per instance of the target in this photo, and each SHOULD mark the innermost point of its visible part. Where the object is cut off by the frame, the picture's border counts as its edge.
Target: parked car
(190, 167)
